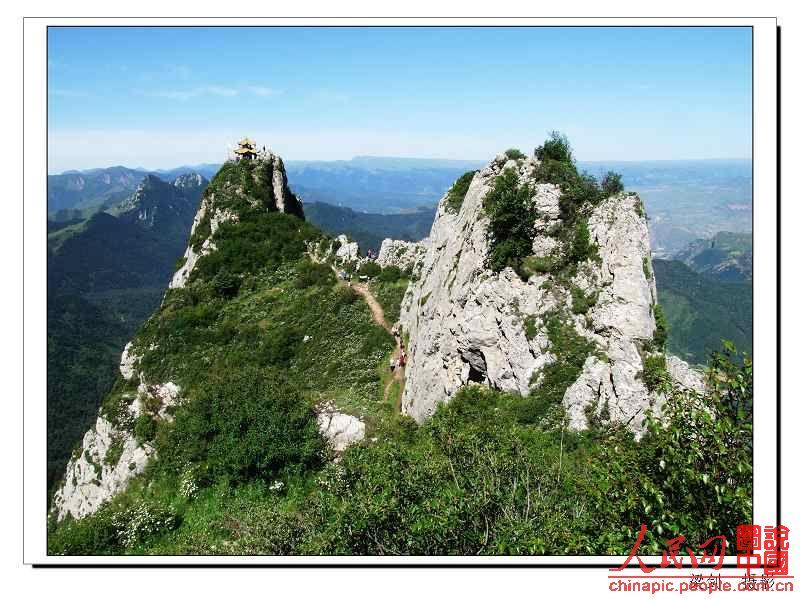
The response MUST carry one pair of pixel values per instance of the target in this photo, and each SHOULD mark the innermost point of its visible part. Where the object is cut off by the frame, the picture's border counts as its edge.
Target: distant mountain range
(685, 200)
(365, 183)
(726, 256)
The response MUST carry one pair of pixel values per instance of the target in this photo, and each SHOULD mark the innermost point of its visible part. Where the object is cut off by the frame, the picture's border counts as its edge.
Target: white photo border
(765, 283)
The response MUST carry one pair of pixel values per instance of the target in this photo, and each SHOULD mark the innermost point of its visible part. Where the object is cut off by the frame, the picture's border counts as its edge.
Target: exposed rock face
(683, 374)
(127, 364)
(348, 250)
(190, 181)
(93, 477)
(341, 430)
(110, 455)
(192, 255)
(402, 254)
(468, 324)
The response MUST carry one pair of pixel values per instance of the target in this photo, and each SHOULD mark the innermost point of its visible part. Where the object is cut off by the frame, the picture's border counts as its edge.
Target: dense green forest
(701, 310)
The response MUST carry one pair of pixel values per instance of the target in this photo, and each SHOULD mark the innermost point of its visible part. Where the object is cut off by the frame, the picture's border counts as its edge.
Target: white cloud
(215, 90)
(188, 94)
(264, 92)
(81, 149)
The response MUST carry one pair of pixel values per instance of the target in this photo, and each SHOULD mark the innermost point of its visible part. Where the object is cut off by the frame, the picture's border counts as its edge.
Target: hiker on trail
(403, 359)
(392, 364)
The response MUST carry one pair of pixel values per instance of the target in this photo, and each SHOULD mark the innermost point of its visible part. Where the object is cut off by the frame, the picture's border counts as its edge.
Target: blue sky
(164, 97)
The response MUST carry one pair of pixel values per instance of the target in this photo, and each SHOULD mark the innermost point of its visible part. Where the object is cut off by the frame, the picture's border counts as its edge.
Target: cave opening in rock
(477, 365)
(475, 375)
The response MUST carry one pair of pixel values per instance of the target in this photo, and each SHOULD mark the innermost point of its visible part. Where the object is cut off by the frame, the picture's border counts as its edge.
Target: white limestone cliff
(468, 324)
(402, 254)
(110, 455)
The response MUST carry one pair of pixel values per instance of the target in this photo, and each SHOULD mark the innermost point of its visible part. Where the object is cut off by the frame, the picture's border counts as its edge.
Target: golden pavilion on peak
(246, 150)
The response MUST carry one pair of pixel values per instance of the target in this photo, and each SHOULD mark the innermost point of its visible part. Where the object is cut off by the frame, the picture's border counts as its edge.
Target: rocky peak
(596, 319)
(240, 187)
(158, 205)
(112, 452)
(190, 181)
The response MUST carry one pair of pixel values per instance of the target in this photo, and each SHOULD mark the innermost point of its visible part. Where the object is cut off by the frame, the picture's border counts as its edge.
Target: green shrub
(654, 373)
(532, 265)
(702, 493)
(95, 535)
(390, 295)
(455, 195)
(612, 184)
(556, 148)
(515, 154)
(512, 217)
(582, 246)
(179, 263)
(582, 302)
(392, 274)
(662, 330)
(114, 452)
(369, 269)
(640, 209)
(259, 241)
(142, 521)
(648, 274)
(347, 295)
(570, 350)
(144, 429)
(531, 330)
(225, 284)
(311, 274)
(249, 422)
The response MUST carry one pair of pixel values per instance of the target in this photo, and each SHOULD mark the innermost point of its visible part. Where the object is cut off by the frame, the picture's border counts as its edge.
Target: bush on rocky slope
(455, 195)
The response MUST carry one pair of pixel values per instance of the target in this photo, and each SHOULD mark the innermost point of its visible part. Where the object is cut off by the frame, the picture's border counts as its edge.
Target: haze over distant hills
(685, 200)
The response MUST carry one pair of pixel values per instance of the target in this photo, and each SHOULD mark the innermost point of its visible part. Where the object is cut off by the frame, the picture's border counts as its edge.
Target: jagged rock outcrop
(347, 250)
(164, 207)
(110, 454)
(469, 324)
(402, 254)
(97, 474)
